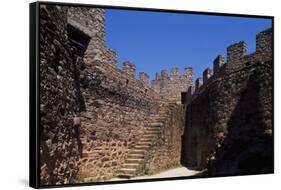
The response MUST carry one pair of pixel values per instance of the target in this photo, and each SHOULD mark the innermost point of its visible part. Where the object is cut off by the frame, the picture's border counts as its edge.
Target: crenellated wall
(81, 82)
(171, 86)
(229, 116)
(118, 106)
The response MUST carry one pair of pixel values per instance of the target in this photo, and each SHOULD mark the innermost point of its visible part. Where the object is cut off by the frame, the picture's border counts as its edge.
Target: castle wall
(171, 86)
(91, 22)
(166, 151)
(79, 79)
(59, 99)
(116, 115)
(229, 117)
(118, 108)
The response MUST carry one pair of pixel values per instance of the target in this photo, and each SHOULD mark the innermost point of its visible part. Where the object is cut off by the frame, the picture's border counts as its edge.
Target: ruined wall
(59, 99)
(166, 150)
(229, 115)
(170, 86)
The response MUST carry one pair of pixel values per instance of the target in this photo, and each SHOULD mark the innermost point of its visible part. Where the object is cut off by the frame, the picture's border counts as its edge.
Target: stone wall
(248, 145)
(166, 150)
(91, 22)
(59, 99)
(79, 81)
(229, 116)
(118, 106)
(171, 86)
(115, 117)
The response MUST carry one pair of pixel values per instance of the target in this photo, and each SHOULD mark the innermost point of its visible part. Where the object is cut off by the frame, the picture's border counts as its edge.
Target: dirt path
(175, 172)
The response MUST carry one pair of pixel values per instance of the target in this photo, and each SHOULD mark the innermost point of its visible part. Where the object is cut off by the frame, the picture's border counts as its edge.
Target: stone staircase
(136, 158)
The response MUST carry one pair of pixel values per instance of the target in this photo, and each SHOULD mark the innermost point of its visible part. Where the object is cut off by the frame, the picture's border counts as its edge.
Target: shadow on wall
(197, 140)
(248, 146)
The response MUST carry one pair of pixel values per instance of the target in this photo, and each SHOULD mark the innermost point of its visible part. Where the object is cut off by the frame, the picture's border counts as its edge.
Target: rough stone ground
(175, 172)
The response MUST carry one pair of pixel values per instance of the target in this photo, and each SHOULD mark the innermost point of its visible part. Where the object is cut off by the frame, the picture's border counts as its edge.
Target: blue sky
(157, 40)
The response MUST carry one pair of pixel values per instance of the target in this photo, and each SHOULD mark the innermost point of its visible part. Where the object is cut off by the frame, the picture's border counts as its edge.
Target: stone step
(141, 147)
(153, 127)
(131, 165)
(149, 136)
(134, 161)
(146, 140)
(150, 128)
(136, 151)
(141, 143)
(131, 171)
(151, 132)
(156, 124)
(135, 156)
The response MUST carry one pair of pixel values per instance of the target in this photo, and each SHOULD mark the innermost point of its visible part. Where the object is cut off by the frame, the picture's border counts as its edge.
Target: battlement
(144, 78)
(116, 110)
(207, 73)
(188, 72)
(175, 72)
(237, 58)
(129, 68)
(164, 74)
(171, 85)
(236, 51)
(157, 76)
(264, 41)
(198, 83)
(217, 63)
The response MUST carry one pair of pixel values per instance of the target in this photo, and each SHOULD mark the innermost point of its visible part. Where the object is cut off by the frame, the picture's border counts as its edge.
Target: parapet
(207, 73)
(188, 72)
(144, 78)
(237, 58)
(218, 63)
(175, 71)
(129, 68)
(158, 76)
(198, 83)
(164, 74)
(236, 51)
(264, 41)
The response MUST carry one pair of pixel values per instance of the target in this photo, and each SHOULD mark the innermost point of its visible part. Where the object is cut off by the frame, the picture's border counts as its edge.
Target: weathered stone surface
(229, 117)
(93, 113)
(171, 86)
(99, 121)
(59, 99)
